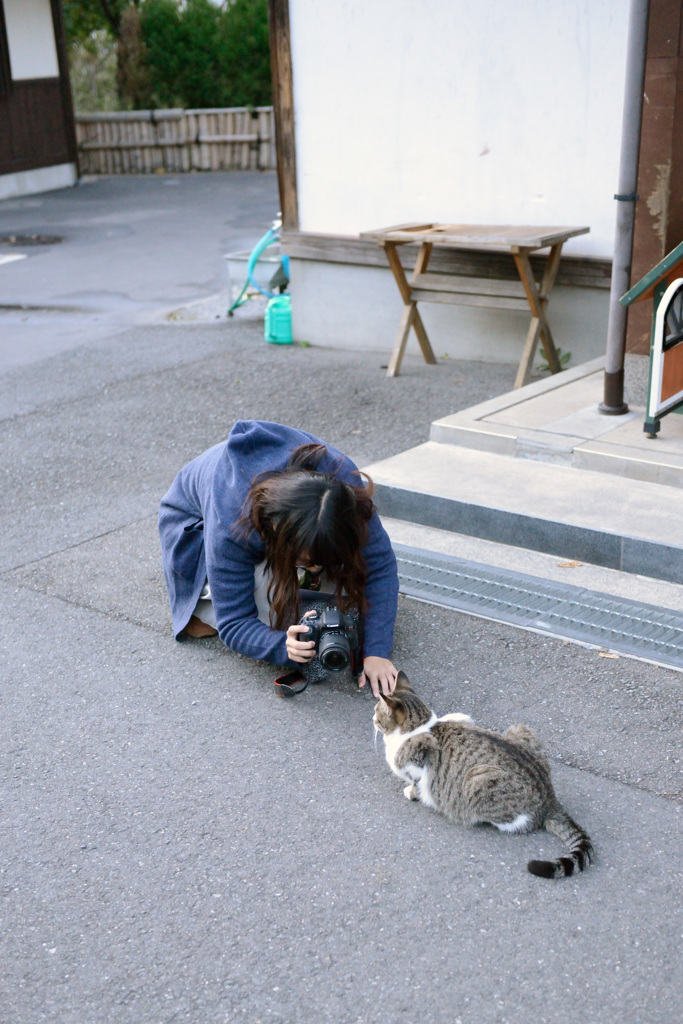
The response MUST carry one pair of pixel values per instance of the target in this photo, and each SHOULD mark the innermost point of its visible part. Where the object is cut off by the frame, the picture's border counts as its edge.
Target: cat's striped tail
(580, 854)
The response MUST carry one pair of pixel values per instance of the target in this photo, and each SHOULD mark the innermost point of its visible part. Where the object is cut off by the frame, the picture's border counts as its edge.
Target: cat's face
(402, 709)
(383, 719)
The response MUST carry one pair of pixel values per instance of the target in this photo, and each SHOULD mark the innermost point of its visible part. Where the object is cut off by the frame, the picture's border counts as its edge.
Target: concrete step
(595, 517)
(525, 562)
(557, 420)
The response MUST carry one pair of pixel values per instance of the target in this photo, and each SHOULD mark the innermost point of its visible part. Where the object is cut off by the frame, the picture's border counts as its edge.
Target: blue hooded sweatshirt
(197, 521)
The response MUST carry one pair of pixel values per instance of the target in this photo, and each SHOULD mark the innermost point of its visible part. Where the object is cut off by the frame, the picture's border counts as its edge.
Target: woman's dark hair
(301, 512)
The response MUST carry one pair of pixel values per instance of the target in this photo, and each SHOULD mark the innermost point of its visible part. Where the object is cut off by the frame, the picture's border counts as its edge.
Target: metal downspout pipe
(613, 402)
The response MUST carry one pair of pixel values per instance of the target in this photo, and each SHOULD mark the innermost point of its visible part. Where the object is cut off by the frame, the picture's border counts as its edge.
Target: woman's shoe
(198, 629)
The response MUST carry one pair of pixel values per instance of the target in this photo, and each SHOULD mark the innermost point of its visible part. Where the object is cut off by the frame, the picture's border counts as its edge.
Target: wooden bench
(473, 291)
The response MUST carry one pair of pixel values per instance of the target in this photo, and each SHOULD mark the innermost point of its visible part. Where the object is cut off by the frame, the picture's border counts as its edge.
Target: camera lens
(335, 660)
(334, 652)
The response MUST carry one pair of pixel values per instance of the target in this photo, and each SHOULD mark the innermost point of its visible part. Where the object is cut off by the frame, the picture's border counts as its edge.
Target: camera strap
(290, 685)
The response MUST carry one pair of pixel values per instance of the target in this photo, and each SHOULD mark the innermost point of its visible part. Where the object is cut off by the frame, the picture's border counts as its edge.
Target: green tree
(245, 54)
(82, 17)
(182, 52)
(201, 55)
(189, 53)
(85, 20)
(92, 66)
(132, 72)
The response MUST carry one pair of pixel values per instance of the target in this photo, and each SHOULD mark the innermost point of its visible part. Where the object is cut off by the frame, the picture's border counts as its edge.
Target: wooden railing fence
(144, 141)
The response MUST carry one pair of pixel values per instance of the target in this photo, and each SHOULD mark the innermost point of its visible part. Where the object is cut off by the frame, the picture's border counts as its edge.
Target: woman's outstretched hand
(380, 673)
(300, 651)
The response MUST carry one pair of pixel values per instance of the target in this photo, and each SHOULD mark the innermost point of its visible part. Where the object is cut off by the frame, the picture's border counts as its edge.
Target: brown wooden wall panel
(574, 271)
(283, 105)
(674, 227)
(663, 31)
(672, 375)
(34, 126)
(64, 74)
(5, 70)
(659, 211)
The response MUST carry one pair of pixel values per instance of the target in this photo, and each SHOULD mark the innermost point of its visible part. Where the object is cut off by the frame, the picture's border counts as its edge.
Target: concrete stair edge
(406, 489)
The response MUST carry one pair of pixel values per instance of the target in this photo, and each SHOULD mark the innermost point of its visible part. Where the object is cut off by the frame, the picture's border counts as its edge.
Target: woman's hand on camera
(380, 673)
(300, 651)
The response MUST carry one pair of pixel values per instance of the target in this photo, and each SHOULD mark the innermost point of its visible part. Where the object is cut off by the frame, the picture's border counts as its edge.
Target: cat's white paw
(410, 792)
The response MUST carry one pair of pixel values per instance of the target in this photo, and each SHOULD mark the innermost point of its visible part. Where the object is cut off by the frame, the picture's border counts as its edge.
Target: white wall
(494, 111)
(358, 308)
(31, 39)
(40, 179)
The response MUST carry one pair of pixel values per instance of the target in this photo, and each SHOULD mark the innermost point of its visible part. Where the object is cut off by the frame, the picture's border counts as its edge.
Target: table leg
(411, 316)
(538, 301)
(401, 339)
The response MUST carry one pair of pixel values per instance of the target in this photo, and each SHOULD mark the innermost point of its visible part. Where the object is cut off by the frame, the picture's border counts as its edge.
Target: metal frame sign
(666, 356)
(663, 285)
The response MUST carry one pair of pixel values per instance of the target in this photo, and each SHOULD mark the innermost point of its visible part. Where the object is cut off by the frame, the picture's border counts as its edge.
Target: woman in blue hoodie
(253, 519)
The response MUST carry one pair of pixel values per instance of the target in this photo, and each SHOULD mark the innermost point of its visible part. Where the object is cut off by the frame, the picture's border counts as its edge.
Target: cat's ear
(403, 683)
(396, 706)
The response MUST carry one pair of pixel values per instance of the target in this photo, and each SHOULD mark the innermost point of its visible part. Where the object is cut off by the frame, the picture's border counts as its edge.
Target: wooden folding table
(476, 291)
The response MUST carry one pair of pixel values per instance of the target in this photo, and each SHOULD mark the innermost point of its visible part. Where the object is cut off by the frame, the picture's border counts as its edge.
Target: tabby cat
(472, 775)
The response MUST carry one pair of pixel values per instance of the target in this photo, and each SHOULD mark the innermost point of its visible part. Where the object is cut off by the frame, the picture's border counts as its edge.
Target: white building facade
(448, 111)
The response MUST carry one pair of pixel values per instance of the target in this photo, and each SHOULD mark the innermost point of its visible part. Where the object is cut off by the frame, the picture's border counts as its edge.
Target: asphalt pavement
(177, 844)
(119, 251)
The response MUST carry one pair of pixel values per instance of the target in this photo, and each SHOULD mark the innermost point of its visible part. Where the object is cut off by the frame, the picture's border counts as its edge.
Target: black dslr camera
(337, 637)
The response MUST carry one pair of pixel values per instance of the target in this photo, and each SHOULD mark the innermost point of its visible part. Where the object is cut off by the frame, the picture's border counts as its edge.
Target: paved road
(179, 845)
(132, 246)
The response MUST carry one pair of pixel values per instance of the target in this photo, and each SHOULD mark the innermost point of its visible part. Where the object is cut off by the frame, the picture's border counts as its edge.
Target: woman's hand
(380, 673)
(300, 651)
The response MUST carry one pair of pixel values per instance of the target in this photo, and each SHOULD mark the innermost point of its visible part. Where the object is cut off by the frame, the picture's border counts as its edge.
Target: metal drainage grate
(641, 630)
